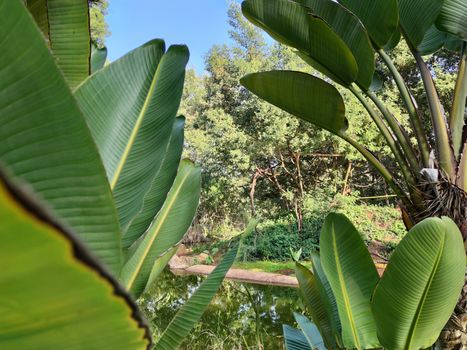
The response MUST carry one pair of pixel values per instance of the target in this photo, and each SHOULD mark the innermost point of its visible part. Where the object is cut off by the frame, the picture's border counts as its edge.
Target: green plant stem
(411, 107)
(387, 136)
(456, 118)
(443, 146)
(382, 170)
(462, 172)
(399, 133)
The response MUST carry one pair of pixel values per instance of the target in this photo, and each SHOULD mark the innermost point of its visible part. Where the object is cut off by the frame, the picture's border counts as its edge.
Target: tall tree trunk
(299, 217)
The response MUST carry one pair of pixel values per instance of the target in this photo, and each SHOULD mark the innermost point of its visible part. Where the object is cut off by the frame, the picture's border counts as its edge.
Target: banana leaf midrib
(134, 132)
(414, 324)
(344, 290)
(165, 212)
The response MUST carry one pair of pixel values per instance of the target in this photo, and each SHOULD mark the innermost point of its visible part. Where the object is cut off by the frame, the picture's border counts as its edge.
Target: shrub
(273, 238)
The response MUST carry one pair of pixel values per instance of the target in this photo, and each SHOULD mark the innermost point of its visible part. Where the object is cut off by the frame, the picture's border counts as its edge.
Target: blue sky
(196, 23)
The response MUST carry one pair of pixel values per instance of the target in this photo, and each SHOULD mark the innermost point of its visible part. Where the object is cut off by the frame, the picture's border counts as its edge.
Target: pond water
(241, 316)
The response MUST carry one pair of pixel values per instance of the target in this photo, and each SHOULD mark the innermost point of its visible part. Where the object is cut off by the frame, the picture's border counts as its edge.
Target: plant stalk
(411, 107)
(399, 133)
(456, 118)
(462, 172)
(443, 146)
(387, 136)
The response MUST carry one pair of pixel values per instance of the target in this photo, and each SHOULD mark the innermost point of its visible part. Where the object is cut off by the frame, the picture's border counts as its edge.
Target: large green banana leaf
(167, 230)
(130, 106)
(310, 331)
(417, 16)
(294, 339)
(190, 313)
(161, 184)
(421, 285)
(53, 295)
(349, 29)
(352, 276)
(380, 18)
(292, 24)
(45, 143)
(453, 18)
(319, 304)
(288, 90)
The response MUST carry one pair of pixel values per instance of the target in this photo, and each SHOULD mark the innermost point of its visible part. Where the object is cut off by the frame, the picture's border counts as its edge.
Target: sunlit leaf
(292, 24)
(352, 276)
(349, 29)
(53, 294)
(319, 304)
(302, 95)
(421, 285)
(45, 142)
(168, 228)
(157, 193)
(70, 38)
(130, 106)
(380, 18)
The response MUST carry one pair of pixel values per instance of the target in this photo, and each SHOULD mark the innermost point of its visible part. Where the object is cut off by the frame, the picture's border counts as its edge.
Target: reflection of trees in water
(241, 316)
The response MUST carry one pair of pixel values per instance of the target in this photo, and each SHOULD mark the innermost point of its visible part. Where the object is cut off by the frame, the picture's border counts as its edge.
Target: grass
(266, 266)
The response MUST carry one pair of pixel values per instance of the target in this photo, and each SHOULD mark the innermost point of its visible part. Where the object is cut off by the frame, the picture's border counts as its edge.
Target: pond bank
(257, 277)
(179, 267)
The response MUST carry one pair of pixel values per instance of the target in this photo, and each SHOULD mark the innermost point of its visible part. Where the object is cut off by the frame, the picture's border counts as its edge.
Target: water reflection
(241, 316)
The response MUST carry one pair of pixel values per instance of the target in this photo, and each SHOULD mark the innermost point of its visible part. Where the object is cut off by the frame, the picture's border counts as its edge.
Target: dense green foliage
(237, 137)
(431, 177)
(296, 171)
(99, 27)
(274, 237)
